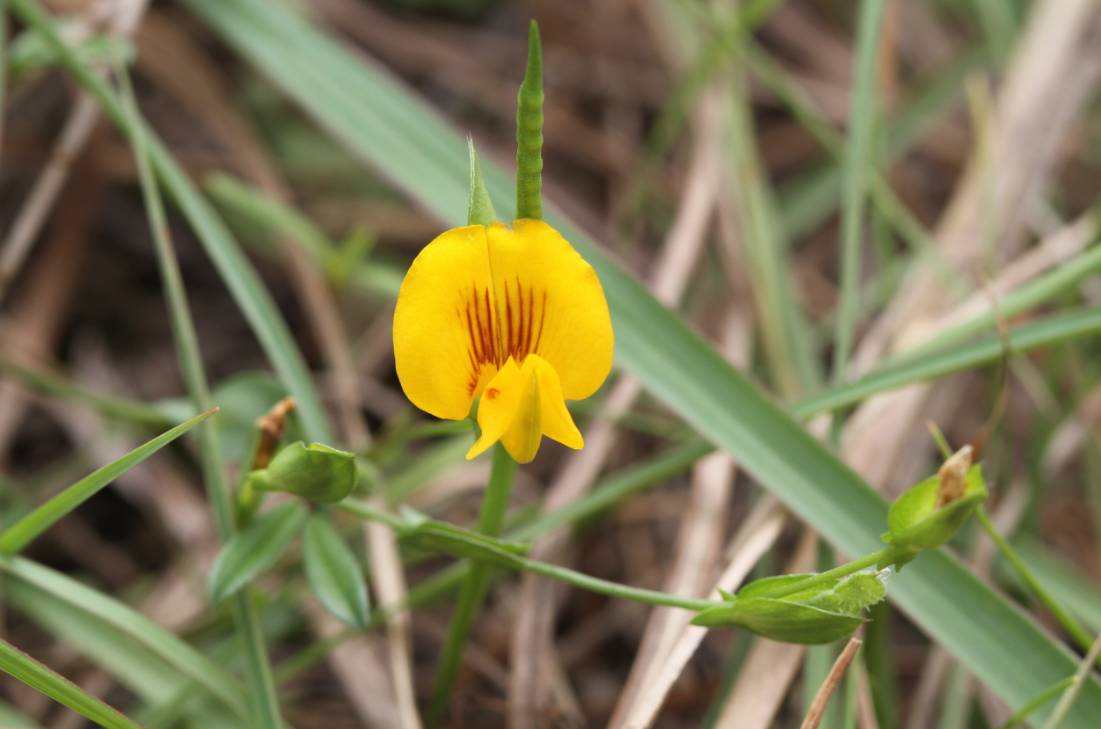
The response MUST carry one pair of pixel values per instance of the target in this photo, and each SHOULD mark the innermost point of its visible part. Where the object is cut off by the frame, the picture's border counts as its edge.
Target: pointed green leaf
(480, 211)
(334, 573)
(254, 549)
(24, 531)
(19, 665)
(529, 132)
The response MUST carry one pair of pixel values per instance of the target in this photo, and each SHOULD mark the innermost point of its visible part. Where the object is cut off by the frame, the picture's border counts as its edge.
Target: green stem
(1072, 626)
(836, 573)
(490, 519)
(1062, 709)
(262, 694)
(1042, 698)
(563, 574)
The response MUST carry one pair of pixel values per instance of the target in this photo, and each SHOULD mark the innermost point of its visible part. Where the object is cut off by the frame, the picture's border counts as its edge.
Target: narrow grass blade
(24, 531)
(134, 626)
(19, 665)
(858, 171)
(334, 572)
(254, 549)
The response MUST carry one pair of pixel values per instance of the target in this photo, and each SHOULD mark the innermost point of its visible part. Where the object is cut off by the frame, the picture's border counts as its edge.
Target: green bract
(821, 613)
(316, 472)
(915, 524)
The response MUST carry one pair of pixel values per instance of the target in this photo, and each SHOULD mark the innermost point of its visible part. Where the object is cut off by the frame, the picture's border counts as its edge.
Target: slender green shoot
(473, 590)
(16, 537)
(1050, 694)
(1062, 709)
(22, 667)
(858, 172)
(262, 694)
(529, 132)
(1068, 621)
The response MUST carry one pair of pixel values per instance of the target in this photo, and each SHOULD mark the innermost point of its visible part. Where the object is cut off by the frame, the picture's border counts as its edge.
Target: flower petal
(510, 412)
(444, 326)
(557, 424)
(550, 303)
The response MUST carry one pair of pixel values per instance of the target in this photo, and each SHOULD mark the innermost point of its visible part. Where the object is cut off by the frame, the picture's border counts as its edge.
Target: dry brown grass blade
(833, 679)
(78, 128)
(769, 669)
(758, 533)
(531, 637)
(698, 542)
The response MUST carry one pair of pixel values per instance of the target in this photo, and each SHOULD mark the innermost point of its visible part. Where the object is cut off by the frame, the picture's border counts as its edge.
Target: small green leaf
(529, 132)
(334, 573)
(316, 472)
(822, 613)
(914, 524)
(24, 531)
(480, 211)
(254, 549)
(437, 536)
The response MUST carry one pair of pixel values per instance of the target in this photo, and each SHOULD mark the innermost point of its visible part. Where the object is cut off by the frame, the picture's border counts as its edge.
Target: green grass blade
(19, 665)
(184, 659)
(24, 531)
(858, 171)
(12, 719)
(987, 350)
(407, 141)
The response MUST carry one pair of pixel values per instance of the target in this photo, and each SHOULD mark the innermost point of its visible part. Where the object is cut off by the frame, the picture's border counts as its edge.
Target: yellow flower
(512, 315)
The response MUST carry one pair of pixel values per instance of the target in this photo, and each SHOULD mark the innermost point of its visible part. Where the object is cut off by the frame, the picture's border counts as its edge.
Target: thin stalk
(831, 575)
(1042, 698)
(1069, 623)
(858, 165)
(490, 519)
(1059, 715)
(567, 575)
(262, 694)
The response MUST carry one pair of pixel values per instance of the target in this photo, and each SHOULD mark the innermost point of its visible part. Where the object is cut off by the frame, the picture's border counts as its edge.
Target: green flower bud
(822, 613)
(930, 513)
(316, 472)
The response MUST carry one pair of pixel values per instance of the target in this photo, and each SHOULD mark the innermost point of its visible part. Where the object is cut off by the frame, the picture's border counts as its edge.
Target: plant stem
(490, 519)
(262, 694)
(830, 575)
(1042, 698)
(1072, 626)
(1059, 714)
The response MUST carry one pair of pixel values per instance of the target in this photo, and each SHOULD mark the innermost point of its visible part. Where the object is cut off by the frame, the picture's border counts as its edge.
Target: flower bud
(316, 472)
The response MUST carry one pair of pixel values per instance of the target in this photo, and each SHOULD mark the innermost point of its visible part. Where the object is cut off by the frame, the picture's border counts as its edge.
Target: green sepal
(480, 210)
(316, 472)
(914, 524)
(529, 132)
(437, 536)
(822, 613)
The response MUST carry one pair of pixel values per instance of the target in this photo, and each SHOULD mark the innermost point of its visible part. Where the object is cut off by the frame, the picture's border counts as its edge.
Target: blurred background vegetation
(831, 193)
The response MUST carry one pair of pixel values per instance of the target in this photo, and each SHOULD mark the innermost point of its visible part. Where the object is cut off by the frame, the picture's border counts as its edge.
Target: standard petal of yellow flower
(551, 304)
(519, 406)
(514, 315)
(445, 326)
